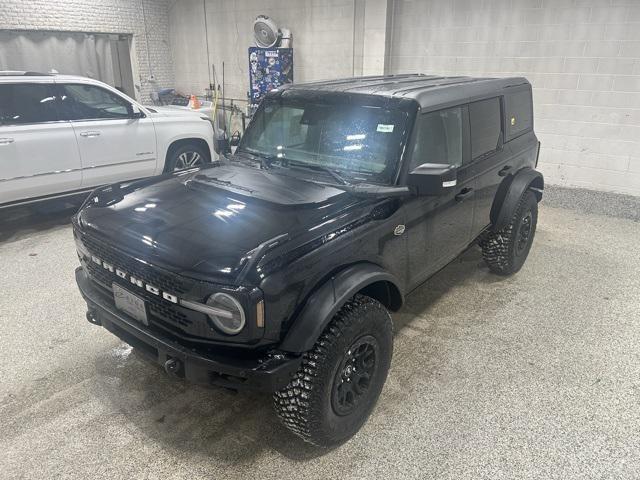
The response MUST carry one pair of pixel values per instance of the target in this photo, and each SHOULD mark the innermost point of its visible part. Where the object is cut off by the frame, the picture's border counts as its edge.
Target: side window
(518, 113)
(87, 102)
(484, 120)
(22, 103)
(438, 138)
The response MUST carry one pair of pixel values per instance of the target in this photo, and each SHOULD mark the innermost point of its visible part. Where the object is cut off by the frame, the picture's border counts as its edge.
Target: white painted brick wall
(582, 57)
(104, 16)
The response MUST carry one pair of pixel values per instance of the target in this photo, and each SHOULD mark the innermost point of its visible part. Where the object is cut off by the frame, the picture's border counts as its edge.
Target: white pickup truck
(63, 135)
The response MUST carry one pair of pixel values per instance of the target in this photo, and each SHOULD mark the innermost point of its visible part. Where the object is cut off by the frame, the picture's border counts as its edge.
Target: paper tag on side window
(384, 128)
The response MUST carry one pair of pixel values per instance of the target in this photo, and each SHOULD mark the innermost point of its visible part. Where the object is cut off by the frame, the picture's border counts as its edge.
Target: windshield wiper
(201, 178)
(312, 166)
(264, 160)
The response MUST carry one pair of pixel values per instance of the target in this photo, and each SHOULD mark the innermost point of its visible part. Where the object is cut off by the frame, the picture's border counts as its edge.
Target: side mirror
(433, 178)
(136, 112)
(234, 141)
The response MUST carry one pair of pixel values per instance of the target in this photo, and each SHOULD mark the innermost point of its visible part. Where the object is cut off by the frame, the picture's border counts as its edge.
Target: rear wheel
(188, 155)
(341, 378)
(506, 250)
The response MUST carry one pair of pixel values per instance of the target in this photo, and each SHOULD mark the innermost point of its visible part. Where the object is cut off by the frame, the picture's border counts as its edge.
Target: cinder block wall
(105, 16)
(323, 38)
(582, 57)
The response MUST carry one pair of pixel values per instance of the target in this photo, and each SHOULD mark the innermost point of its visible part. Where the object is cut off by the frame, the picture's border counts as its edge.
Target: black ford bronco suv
(276, 268)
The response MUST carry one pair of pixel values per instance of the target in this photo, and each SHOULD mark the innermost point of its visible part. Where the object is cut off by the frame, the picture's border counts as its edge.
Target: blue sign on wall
(268, 69)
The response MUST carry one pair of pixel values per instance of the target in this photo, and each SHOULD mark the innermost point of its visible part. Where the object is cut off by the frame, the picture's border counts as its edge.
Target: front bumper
(266, 373)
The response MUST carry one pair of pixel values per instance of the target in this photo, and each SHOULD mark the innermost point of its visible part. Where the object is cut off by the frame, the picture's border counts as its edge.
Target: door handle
(6, 141)
(504, 171)
(89, 134)
(464, 194)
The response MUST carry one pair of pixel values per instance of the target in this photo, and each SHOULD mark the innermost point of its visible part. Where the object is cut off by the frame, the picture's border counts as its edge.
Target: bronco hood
(206, 222)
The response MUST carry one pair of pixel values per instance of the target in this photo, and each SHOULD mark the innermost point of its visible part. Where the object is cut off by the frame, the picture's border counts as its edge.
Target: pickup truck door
(114, 143)
(439, 227)
(38, 150)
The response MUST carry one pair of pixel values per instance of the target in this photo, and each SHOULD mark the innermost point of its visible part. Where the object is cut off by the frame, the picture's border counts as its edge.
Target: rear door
(489, 158)
(114, 145)
(38, 150)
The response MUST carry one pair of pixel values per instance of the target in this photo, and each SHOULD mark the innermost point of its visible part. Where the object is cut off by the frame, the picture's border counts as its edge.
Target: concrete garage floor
(535, 376)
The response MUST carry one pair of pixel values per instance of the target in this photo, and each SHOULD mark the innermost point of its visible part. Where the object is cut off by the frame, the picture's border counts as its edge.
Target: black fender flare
(327, 299)
(509, 194)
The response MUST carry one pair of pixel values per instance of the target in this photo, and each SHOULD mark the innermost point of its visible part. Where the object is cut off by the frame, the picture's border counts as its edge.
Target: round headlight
(231, 320)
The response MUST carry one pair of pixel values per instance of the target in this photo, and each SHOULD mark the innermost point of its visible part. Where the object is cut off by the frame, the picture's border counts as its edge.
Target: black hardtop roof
(426, 90)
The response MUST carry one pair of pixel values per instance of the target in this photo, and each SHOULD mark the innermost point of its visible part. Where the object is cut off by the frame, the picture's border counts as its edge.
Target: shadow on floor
(18, 222)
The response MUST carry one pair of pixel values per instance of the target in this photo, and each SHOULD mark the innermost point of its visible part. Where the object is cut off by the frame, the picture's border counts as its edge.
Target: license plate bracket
(130, 304)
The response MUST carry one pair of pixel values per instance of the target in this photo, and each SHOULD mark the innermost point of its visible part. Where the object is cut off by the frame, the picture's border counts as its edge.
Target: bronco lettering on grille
(134, 280)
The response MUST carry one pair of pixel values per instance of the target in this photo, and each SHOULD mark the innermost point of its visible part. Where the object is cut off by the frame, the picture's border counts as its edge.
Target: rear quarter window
(485, 125)
(518, 113)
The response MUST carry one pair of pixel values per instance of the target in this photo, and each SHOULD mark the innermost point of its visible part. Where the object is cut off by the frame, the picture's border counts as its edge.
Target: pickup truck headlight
(231, 319)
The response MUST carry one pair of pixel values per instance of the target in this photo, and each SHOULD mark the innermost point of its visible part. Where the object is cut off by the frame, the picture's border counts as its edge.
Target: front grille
(164, 280)
(158, 306)
(168, 313)
(165, 315)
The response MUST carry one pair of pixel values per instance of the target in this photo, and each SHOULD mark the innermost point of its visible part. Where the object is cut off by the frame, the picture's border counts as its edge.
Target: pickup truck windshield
(358, 142)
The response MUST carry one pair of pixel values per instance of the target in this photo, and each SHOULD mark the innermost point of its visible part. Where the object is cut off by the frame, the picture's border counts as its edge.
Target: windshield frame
(302, 96)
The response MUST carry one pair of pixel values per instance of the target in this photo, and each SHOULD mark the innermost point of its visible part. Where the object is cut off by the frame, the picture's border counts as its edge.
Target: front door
(114, 145)
(38, 151)
(439, 227)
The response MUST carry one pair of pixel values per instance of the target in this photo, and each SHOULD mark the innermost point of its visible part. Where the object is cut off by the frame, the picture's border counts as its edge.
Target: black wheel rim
(355, 374)
(524, 233)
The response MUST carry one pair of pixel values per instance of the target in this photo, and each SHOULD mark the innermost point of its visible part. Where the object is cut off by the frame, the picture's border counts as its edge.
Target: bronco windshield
(361, 143)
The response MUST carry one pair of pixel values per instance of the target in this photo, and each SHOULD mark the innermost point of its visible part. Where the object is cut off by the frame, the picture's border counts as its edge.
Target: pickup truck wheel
(185, 156)
(506, 250)
(340, 379)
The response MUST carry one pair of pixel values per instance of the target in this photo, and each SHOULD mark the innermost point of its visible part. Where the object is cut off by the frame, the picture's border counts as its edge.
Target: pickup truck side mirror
(433, 178)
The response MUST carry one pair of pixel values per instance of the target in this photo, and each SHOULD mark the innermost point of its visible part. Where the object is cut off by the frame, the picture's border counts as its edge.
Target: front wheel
(340, 379)
(190, 155)
(506, 250)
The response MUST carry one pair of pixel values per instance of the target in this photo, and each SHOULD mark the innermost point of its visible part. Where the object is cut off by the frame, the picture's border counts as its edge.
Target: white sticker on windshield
(384, 128)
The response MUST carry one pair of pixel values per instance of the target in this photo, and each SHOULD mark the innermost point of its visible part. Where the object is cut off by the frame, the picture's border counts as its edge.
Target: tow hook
(173, 367)
(91, 318)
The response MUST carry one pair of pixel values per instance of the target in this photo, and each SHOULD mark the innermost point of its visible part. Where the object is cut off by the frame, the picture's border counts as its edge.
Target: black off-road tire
(181, 157)
(314, 405)
(506, 250)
